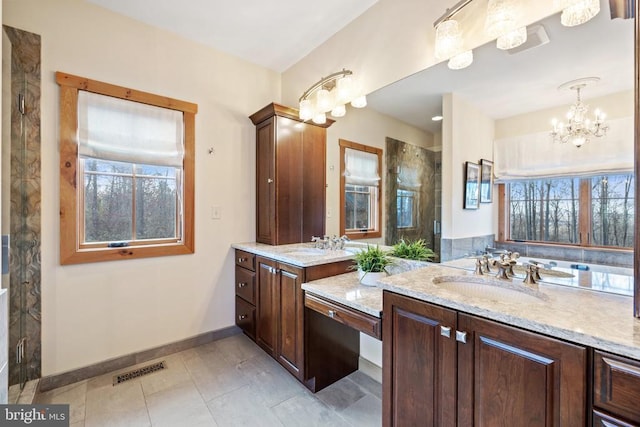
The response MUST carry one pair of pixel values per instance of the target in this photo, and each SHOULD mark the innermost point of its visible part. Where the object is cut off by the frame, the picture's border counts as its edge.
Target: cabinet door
(266, 304)
(265, 183)
(314, 181)
(509, 377)
(419, 363)
(289, 183)
(290, 348)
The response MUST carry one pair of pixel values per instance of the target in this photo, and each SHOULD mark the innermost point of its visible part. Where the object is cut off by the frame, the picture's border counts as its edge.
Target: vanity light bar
(449, 13)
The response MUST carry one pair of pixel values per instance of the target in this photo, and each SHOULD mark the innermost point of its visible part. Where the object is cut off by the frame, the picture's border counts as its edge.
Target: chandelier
(330, 94)
(579, 128)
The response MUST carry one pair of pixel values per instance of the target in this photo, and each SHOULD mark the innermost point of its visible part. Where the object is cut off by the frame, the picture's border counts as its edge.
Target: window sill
(81, 256)
(363, 235)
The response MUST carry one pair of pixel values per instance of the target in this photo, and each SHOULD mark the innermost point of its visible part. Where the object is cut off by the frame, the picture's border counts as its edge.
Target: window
(132, 155)
(360, 190)
(407, 208)
(595, 211)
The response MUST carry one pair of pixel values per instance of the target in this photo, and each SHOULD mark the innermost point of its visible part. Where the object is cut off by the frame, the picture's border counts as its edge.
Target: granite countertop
(596, 319)
(298, 254)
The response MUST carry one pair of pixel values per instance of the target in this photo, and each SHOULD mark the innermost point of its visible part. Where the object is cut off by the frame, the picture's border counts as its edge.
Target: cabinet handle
(332, 313)
(269, 181)
(242, 284)
(242, 317)
(445, 331)
(607, 423)
(242, 259)
(461, 337)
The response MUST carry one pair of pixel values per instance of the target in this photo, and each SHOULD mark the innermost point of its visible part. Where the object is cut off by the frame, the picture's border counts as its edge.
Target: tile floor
(230, 382)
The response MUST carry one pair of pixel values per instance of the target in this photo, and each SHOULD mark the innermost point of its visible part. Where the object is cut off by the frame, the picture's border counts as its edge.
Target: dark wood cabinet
(245, 287)
(507, 376)
(277, 306)
(419, 363)
(616, 390)
(290, 176)
(266, 304)
(447, 368)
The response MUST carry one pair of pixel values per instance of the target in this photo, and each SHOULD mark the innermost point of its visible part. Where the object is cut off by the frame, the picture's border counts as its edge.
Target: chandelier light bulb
(501, 17)
(323, 100)
(577, 12)
(320, 118)
(512, 39)
(460, 61)
(359, 102)
(579, 127)
(344, 89)
(448, 39)
(339, 111)
(306, 110)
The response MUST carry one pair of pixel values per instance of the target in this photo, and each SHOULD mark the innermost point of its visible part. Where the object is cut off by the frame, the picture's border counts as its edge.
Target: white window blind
(536, 156)
(116, 129)
(361, 168)
(409, 178)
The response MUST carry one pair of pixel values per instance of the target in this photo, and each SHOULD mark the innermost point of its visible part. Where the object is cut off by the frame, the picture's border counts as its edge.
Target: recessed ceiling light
(436, 118)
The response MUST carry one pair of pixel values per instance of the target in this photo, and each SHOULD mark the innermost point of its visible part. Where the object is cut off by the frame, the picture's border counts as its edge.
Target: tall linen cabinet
(290, 176)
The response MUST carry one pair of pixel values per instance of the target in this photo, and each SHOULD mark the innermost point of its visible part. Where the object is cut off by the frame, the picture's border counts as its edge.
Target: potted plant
(371, 264)
(415, 250)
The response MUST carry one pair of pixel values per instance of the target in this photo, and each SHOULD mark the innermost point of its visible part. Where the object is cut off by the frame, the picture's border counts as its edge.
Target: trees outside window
(597, 211)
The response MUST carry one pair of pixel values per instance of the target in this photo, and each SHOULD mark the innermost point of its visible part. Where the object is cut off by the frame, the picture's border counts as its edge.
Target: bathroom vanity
(461, 349)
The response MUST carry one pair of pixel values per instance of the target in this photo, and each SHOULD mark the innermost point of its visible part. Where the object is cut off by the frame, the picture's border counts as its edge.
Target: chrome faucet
(480, 263)
(502, 269)
(532, 272)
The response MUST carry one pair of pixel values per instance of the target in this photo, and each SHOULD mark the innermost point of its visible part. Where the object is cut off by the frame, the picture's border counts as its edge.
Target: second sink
(490, 289)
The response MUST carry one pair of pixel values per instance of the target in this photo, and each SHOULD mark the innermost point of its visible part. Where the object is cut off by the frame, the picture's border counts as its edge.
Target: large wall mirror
(506, 85)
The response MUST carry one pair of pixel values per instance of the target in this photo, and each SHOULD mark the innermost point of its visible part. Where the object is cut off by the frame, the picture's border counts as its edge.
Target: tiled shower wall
(24, 266)
(402, 156)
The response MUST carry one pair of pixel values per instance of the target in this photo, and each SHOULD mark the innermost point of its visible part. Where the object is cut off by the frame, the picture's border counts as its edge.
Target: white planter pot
(370, 279)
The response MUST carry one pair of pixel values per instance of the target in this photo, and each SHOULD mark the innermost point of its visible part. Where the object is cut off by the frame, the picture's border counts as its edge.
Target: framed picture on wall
(486, 181)
(471, 185)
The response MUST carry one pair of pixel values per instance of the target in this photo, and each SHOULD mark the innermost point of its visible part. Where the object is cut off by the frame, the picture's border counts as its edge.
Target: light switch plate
(216, 212)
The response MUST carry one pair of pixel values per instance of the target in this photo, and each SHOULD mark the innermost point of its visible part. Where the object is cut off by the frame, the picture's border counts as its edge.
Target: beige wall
(392, 40)
(94, 312)
(467, 135)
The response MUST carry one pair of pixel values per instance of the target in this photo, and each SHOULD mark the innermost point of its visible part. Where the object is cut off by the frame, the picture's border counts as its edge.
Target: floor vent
(145, 370)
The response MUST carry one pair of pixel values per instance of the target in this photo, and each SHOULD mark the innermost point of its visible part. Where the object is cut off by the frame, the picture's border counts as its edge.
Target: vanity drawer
(246, 317)
(355, 319)
(246, 260)
(616, 385)
(603, 420)
(246, 284)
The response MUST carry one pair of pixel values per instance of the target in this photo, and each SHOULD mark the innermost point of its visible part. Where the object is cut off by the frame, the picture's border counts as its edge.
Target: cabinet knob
(242, 284)
(461, 337)
(242, 317)
(269, 181)
(332, 313)
(445, 331)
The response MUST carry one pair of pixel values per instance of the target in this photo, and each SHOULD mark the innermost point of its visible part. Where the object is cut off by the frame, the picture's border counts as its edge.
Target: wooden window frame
(371, 233)
(584, 221)
(71, 249)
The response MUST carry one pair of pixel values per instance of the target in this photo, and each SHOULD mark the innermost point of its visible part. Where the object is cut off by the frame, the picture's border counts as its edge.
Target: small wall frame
(471, 185)
(486, 181)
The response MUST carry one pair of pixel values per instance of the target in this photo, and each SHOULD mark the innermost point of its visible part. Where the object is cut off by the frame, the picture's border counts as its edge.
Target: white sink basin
(490, 289)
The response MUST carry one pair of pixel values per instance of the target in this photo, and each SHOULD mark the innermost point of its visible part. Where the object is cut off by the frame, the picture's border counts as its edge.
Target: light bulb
(339, 111)
(359, 102)
(460, 61)
(320, 118)
(323, 100)
(343, 89)
(306, 111)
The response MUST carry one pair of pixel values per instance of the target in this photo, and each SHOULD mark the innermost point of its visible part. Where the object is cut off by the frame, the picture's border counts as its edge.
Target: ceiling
(272, 33)
(503, 85)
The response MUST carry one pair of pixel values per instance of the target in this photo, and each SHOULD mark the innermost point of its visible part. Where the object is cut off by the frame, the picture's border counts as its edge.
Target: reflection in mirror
(518, 91)
(412, 194)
